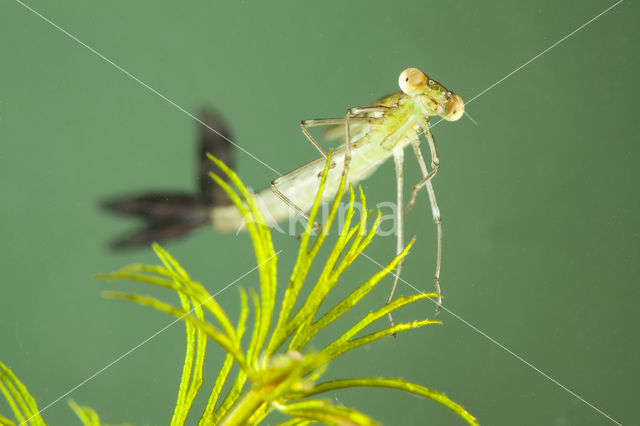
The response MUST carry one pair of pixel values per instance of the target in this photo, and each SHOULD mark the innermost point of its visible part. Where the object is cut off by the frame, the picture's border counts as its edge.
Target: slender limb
(398, 157)
(288, 202)
(351, 114)
(306, 124)
(435, 211)
(435, 165)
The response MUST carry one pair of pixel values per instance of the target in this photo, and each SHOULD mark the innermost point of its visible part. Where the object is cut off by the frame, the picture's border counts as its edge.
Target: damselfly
(371, 135)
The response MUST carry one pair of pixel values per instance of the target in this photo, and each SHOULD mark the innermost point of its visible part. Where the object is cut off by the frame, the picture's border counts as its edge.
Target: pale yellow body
(373, 140)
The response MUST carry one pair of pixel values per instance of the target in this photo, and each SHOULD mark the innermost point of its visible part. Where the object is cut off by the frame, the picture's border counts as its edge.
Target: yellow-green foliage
(20, 400)
(276, 370)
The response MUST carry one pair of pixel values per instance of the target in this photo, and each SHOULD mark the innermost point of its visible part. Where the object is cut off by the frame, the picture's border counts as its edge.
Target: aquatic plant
(276, 370)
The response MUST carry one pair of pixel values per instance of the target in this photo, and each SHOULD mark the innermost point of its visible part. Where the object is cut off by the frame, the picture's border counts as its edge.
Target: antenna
(471, 118)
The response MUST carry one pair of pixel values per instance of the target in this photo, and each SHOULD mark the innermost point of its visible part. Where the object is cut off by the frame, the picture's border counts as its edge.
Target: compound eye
(412, 80)
(454, 108)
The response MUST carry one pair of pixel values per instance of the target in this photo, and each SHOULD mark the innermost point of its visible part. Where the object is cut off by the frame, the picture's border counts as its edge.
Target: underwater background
(540, 200)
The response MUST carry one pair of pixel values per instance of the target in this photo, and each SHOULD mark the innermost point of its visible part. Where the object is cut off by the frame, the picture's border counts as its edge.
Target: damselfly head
(440, 101)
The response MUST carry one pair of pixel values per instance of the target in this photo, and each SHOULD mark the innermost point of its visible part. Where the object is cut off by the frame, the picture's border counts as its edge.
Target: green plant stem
(243, 409)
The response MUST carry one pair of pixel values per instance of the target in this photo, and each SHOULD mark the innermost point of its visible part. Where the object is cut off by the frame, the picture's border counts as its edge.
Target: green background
(540, 200)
